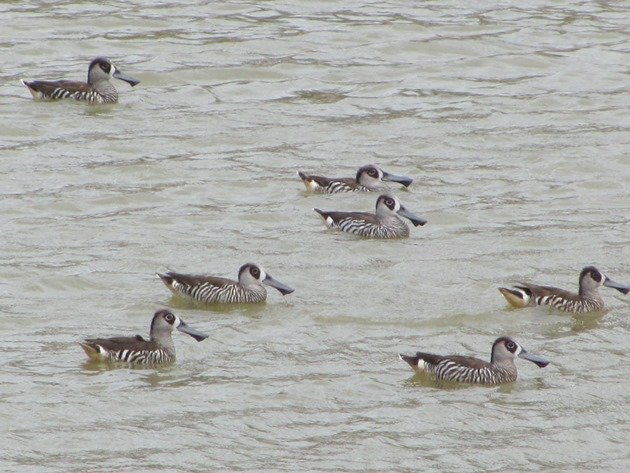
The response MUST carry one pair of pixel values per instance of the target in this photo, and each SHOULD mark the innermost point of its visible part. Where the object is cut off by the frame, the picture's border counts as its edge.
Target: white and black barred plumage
(137, 350)
(98, 88)
(136, 353)
(466, 369)
(363, 224)
(588, 299)
(385, 223)
(104, 95)
(368, 179)
(452, 370)
(210, 292)
(209, 289)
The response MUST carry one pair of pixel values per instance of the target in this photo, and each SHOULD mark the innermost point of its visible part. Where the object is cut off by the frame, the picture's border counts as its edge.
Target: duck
(384, 224)
(468, 369)
(587, 299)
(97, 89)
(369, 178)
(158, 349)
(211, 289)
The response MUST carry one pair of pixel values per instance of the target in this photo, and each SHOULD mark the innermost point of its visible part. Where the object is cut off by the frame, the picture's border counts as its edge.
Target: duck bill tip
(284, 290)
(537, 360)
(199, 337)
(280, 287)
(194, 333)
(130, 80)
(403, 180)
(615, 285)
(417, 221)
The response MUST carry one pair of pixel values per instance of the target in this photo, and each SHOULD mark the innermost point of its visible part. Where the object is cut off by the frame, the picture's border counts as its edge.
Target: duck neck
(164, 341)
(389, 219)
(505, 366)
(591, 293)
(255, 288)
(106, 89)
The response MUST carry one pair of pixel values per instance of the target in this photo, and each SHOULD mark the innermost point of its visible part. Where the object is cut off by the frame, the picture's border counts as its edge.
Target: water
(513, 121)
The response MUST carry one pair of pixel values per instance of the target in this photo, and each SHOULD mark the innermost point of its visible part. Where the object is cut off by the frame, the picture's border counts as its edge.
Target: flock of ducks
(385, 223)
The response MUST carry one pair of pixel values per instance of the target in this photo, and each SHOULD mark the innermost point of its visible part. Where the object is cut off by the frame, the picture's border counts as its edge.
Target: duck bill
(130, 80)
(194, 333)
(283, 288)
(539, 360)
(403, 212)
(404, 180)
(615, 285)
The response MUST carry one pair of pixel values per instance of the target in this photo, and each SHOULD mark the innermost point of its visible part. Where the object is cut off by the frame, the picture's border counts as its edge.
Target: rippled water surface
(513, 121)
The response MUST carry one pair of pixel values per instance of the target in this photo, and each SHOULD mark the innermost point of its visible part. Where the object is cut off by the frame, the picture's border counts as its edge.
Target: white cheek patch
(263, 274)
(329, 221)
(113, 70)
(519, 349)
(177, 322)
(421, 364)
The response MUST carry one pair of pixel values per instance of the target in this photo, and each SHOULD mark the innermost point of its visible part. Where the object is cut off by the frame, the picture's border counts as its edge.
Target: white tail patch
(420, 365)
(98, 353)
(516, 297)
(311, 185)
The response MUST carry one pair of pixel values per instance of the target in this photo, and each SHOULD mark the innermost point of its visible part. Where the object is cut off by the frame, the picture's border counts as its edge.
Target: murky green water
(513, 120)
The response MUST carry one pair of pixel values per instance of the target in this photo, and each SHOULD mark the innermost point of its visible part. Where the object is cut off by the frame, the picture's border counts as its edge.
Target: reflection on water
(250, 310)
(95, 365)
(585, 322)
(427, 381)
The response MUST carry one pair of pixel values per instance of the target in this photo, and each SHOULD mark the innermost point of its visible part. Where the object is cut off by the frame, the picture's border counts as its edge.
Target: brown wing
(119, 343)
(357, 216)
(547, 291)
(48, 87)
(467, 361)
(324, 181)
(329, 184)
(192, 280)
(433, 359)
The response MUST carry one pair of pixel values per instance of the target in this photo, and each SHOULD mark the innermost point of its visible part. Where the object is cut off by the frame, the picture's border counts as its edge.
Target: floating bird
(369, 178)
(385, 223)
(467, 369)
(588, 299)
(209, 289)
(158, 349)
(97, 89)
